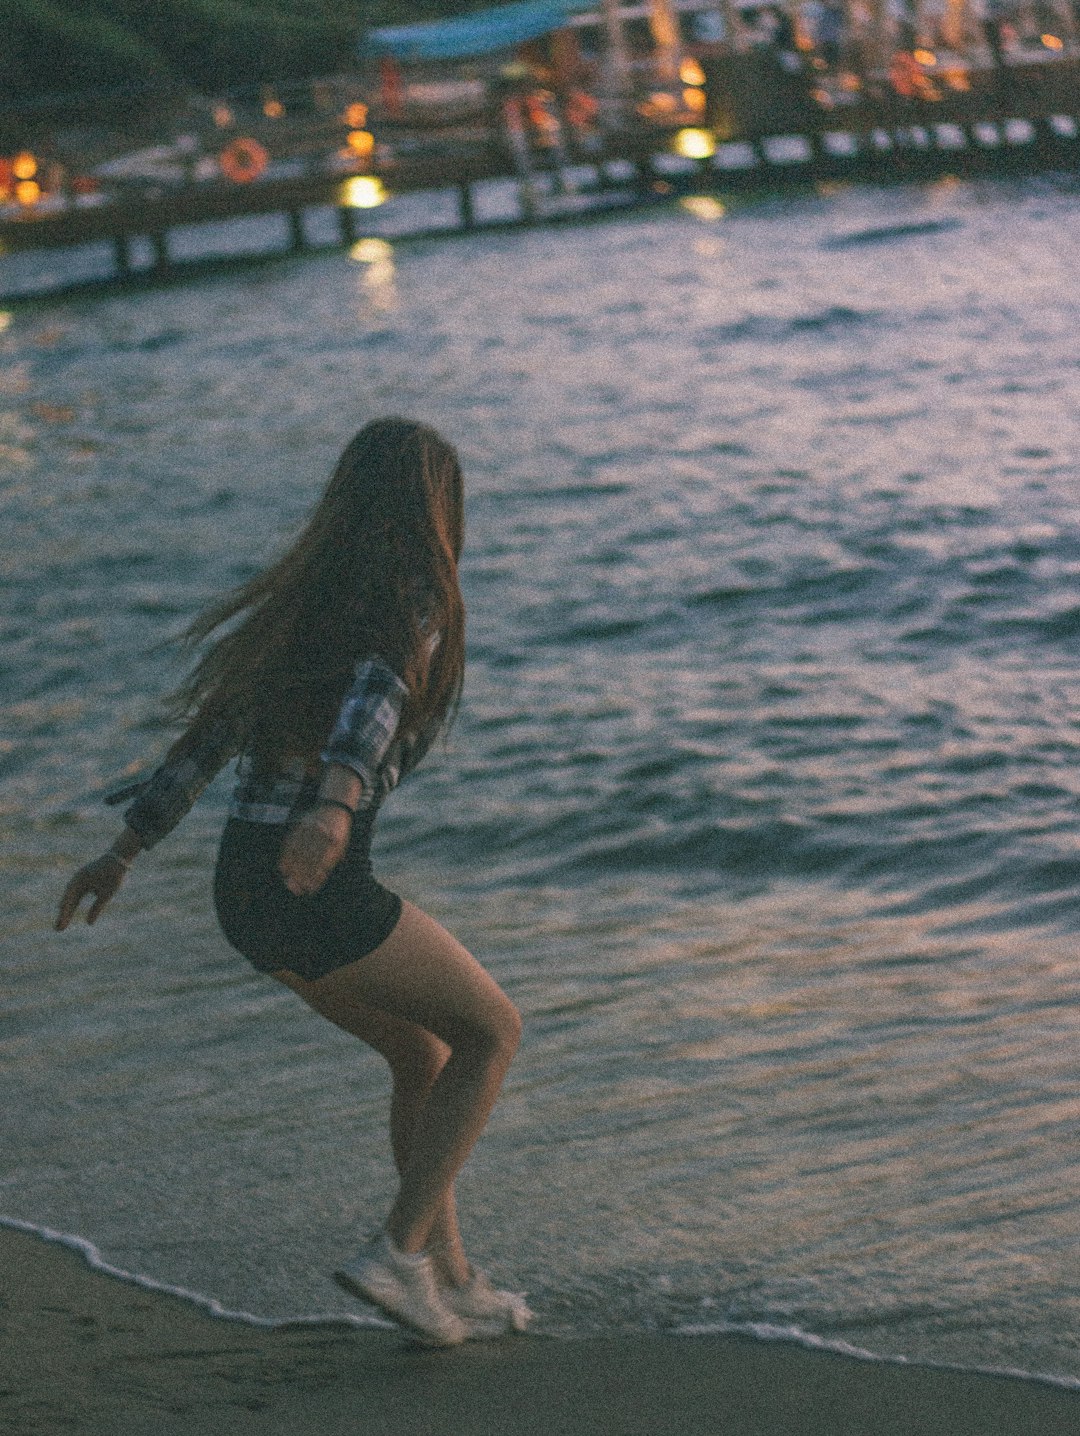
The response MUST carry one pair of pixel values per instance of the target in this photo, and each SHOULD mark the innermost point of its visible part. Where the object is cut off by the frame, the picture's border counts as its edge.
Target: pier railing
(340, 157)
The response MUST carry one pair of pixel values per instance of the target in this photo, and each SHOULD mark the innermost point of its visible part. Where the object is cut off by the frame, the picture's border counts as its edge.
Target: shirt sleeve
(170, 792)
(368, 722)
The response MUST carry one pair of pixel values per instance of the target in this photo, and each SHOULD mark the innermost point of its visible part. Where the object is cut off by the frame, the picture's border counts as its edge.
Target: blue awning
(478, 34)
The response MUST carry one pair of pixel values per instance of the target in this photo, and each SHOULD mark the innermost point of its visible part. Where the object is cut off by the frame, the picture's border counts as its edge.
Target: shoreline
(96, 1353)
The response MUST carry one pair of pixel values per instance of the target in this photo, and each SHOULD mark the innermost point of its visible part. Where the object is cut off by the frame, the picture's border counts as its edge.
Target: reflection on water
(380, 276)
(762, 800)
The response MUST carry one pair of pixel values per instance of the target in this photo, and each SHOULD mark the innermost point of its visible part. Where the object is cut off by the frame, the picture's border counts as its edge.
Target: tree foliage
(54, 47)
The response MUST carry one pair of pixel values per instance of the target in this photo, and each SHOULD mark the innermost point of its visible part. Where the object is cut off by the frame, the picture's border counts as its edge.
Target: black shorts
(349, 916)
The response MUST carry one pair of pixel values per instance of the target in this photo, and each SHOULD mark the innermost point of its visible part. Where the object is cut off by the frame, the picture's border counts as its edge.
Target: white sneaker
(486, 1311)
(403, 1286)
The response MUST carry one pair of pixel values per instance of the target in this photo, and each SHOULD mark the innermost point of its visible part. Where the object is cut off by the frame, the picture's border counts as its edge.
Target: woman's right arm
(355, 751)
(315, 845)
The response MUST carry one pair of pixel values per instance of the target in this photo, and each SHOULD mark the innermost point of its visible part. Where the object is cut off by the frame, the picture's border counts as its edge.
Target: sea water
(762, 803)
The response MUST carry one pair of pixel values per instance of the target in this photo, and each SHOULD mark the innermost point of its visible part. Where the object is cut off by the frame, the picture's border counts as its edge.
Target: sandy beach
(85, 1352)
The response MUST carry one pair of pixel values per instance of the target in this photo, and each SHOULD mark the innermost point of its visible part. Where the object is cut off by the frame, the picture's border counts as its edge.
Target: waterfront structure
(530, 92)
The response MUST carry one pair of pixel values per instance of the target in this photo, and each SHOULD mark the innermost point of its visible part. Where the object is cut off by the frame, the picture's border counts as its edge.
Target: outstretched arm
(160, 802)
(102, 878)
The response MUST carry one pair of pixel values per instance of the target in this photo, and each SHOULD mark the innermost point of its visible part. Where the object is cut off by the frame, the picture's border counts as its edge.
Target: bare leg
(415, 1058)
(425, 979)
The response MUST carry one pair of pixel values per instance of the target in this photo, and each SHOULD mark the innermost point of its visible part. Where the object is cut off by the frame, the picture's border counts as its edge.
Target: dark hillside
(65, 47)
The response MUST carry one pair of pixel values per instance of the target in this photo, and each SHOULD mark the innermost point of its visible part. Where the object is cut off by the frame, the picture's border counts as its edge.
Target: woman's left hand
(102, 877)
(313, 848)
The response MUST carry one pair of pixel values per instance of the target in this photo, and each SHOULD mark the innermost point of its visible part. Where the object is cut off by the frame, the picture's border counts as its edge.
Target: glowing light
(5, 320)
(223, 116)
(690, 72)
(372, 251)
(1052, 42)
(24, 166)
(360, 142)
(694, 100)
(925, 57)
(273, 109)
(356, 116)
(363, 192)
(703, 206)
(28, 192)
(695, 144)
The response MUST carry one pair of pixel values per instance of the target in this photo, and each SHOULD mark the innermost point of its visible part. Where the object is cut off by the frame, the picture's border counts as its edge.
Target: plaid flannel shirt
(365, 738)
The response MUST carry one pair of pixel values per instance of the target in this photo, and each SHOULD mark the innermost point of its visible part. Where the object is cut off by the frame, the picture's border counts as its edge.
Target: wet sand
(88, 1353)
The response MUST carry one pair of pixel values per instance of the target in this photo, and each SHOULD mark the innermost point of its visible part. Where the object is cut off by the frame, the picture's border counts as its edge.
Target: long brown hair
(374, 572)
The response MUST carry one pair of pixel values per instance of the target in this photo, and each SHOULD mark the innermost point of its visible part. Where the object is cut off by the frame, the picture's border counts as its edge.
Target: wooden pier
(1035, 128)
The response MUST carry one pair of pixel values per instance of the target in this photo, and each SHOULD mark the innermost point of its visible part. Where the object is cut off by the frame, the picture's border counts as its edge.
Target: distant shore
(88, 1353)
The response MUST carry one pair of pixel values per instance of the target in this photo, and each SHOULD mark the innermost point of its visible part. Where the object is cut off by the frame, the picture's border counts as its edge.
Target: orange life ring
(243, 160)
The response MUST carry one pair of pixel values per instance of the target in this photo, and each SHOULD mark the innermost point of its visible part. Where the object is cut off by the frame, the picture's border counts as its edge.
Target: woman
(344, 662)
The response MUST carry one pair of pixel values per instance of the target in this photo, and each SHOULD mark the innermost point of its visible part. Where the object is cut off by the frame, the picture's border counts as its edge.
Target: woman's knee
(512, 1028)
(424, 972)
(416, 1058)
(494, 1032)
